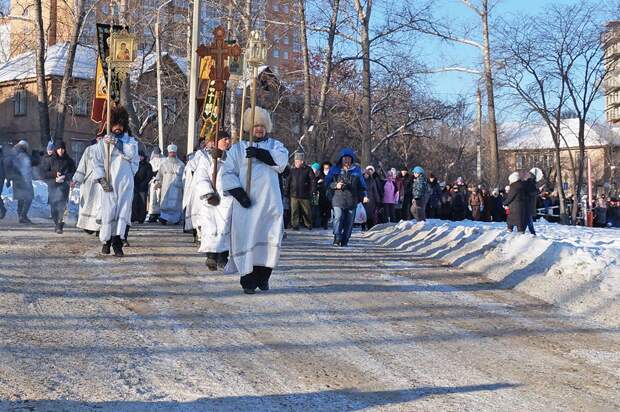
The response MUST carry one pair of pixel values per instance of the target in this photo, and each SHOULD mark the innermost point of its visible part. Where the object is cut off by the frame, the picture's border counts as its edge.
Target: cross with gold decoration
(219, 51)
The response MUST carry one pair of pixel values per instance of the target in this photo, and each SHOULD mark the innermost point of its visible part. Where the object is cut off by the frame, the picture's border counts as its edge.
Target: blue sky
(440, 54)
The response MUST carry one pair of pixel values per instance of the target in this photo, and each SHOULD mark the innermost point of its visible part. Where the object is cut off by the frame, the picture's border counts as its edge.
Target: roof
(22, 66)
(150, 62)
(518, 136)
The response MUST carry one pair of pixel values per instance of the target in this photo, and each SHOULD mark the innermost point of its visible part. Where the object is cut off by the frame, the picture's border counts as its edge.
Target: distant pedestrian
(420, 194)
(348, 188)
(20, 175)
(518, 202)
(300, 188)
(141, 182)
(58, 173)
(391, 197)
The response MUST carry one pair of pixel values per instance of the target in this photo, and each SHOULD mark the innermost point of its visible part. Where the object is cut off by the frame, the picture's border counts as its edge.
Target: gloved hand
(239, 194)
(213, 199)
(107, 187)
(60, 179)
(109, 139)
(260, 154)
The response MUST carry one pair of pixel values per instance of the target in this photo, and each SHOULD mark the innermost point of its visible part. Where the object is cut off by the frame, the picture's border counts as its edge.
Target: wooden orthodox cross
(219, 51)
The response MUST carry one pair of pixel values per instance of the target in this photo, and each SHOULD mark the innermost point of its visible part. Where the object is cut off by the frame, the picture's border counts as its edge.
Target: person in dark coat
(458, 204)
(374, 197)
(404, 181)
(2, 175)
(518, 202)
(141, 182)
(494, 207)
(325, 203)
(445, 204)
(421, 194)
(300, 188)
(58, 172)
(348, 188)
(434, 200)
(532, 192)
(19, 172)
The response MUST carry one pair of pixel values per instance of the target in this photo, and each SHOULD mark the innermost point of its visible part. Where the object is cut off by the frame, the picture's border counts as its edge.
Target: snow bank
(40, 207)
(575, 268)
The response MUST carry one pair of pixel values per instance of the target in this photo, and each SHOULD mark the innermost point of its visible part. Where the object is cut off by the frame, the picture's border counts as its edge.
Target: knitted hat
(418, 170)
(316, 166)
(50, 146)
(300, 156)
(514, 177)
(172, 148)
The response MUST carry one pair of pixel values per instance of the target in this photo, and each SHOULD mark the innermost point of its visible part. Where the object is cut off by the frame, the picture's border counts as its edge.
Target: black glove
(213, 199)
(260, 154)
(242, 197)
(105, 185)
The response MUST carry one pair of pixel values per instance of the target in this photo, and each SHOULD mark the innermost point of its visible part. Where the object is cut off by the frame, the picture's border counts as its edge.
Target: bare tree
(40, 50)
(79, 13)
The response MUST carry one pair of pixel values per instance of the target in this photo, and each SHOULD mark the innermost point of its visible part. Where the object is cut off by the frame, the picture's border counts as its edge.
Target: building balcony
(612, 114)
(612, 83)
(612, 99)
(612, 51)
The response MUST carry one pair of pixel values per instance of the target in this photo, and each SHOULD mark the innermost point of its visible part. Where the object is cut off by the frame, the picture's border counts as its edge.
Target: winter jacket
(518, 201)
(54, 164)
(354, 189)
(420, 187)
(20, 174)
(372, 188)
(457, 206)
(495, 208)
(532, 194)
(1, 170)
(142, 177)
(434, 200)
(321, 187)
(390, 192)
(301, 182)
(404, 184)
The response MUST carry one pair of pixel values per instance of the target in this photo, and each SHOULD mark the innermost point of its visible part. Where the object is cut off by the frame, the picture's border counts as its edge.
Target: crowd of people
(237, 199)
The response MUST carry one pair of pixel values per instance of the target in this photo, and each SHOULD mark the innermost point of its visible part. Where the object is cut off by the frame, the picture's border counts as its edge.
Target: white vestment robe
(154, 191)
(116, 205)
(191, 205)
(170, 178)
(214, 220)
(90, 191)
(256, 232)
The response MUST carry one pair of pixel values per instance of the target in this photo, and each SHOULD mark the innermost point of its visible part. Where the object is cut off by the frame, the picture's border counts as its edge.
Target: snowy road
(362, 328)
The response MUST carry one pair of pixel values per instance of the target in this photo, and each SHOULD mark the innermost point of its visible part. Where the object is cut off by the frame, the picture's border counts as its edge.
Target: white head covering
(370, 167)
(514, 176)
(261, 117)
(538, 174)
(172, 148)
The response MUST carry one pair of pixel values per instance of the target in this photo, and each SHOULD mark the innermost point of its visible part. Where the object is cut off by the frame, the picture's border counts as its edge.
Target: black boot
(117, 246)
(222, 259)
(211, 261)
(336, 241)
(105, 249)
(195, 236)
(59, 228)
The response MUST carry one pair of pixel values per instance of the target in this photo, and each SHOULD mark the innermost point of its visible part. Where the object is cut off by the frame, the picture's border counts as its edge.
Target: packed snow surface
(575, 268)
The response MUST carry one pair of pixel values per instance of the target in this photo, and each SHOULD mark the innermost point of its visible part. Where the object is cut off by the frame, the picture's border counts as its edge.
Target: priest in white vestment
(215, 205)
(117, 195)
(257, 217)
(90, 190)
(191, 204)
(154, 191)
(170, 180)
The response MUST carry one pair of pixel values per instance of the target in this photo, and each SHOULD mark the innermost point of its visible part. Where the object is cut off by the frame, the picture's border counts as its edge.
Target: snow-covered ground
(575, 268)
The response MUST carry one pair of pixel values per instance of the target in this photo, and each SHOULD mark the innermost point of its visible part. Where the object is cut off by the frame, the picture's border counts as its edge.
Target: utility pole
(160, 104)
(480, 136)
(193, 79)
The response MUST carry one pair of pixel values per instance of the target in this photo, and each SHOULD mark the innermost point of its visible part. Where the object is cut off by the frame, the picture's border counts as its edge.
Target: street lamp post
(160, 104)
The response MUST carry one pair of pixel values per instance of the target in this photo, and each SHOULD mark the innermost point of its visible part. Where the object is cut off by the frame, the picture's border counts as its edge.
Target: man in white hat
(215, 205)
(170, 180)
(257, 217)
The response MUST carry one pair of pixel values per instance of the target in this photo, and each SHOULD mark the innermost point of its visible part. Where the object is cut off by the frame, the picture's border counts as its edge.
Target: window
(285, 39)
(276, 38)
(20, 102)
(80, 104)
(520, 161)
(276, 53)
(276, 6)
(77, 149)
(285, 8)
(285, 55)
(170, 110)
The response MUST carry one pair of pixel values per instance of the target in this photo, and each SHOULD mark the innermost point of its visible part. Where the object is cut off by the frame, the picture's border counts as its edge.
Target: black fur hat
(120, 116)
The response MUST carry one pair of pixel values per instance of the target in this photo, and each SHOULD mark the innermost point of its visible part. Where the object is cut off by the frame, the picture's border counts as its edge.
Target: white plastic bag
(360, 214)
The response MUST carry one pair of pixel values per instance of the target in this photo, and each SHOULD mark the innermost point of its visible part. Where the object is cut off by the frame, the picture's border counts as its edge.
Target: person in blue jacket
(347, 188)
